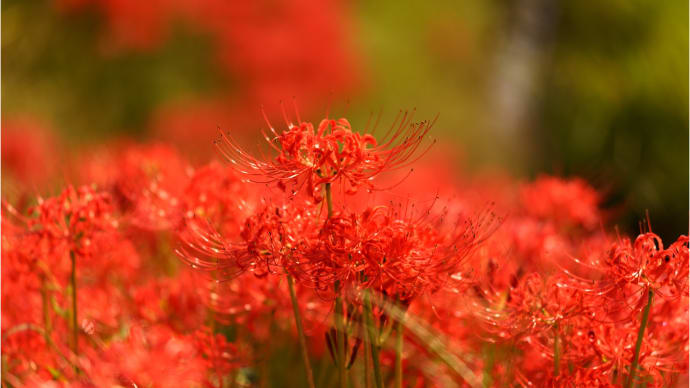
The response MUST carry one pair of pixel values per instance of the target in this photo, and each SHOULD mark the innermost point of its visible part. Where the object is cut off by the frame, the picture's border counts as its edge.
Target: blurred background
(591, 89)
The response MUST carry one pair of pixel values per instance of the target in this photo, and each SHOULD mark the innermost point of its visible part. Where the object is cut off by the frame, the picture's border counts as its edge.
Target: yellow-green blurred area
(591, 89)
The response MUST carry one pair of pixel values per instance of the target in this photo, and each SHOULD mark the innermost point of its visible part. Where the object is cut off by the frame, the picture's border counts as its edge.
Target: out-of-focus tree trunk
(518, 62)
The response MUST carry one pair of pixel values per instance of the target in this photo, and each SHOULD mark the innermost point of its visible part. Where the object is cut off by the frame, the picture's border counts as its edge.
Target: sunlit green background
(591, 89)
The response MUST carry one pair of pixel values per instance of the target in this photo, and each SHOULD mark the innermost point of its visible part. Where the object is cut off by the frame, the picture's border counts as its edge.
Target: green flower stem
(340, 350)
(300, 332)
(45, 299)
(338, 316)
(329, 200)
(556, 353)
(367, 356)
(73, 281)
(398, 353)
(640, 336)
(373, 340)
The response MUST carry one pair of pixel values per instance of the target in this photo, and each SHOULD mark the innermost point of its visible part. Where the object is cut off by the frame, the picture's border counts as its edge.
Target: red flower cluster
(578, 307)
(564, 202)
(527, 289)
(330, 153)
(382, 250)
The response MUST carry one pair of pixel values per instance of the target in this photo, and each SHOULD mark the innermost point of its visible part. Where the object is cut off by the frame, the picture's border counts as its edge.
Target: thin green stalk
(556, 353)
(47, 321)
(329, 200)
(489, 354)
(338, 316)
(433, 341)
(376, 361)
(73, 281)
(640, 336)
(398, 353)
(45, 299)
(214, 329)
(373, 340)
(300, 332)
(340, 351)
(367, 355)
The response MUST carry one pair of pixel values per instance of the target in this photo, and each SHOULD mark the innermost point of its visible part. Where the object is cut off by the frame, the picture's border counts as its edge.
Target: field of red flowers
(331, 252)
(152, 272)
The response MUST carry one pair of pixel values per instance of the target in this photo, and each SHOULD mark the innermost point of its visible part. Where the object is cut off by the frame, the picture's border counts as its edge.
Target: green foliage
(614, 106)
(609, 99)
(56, 68)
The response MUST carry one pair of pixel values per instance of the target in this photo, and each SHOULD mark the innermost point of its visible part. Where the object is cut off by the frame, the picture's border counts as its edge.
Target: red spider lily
(614, 348)
(388, 252)
(129, 362)
(330, 153)
(666, 353)
(545, 305)
(147, 181)
(23, 279)
(75, 219)
(548, 300)
(151, 179)
(220, 356)
(126, 362)
(266, 240)
(628, 271)
(79, 222)
(566, 202)
(219, 207)
(215, 205)
(20, 263)
(591, 335)
(244, 297)
(217, 195)
(171, 301)
(531, 310)
(259, 303)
